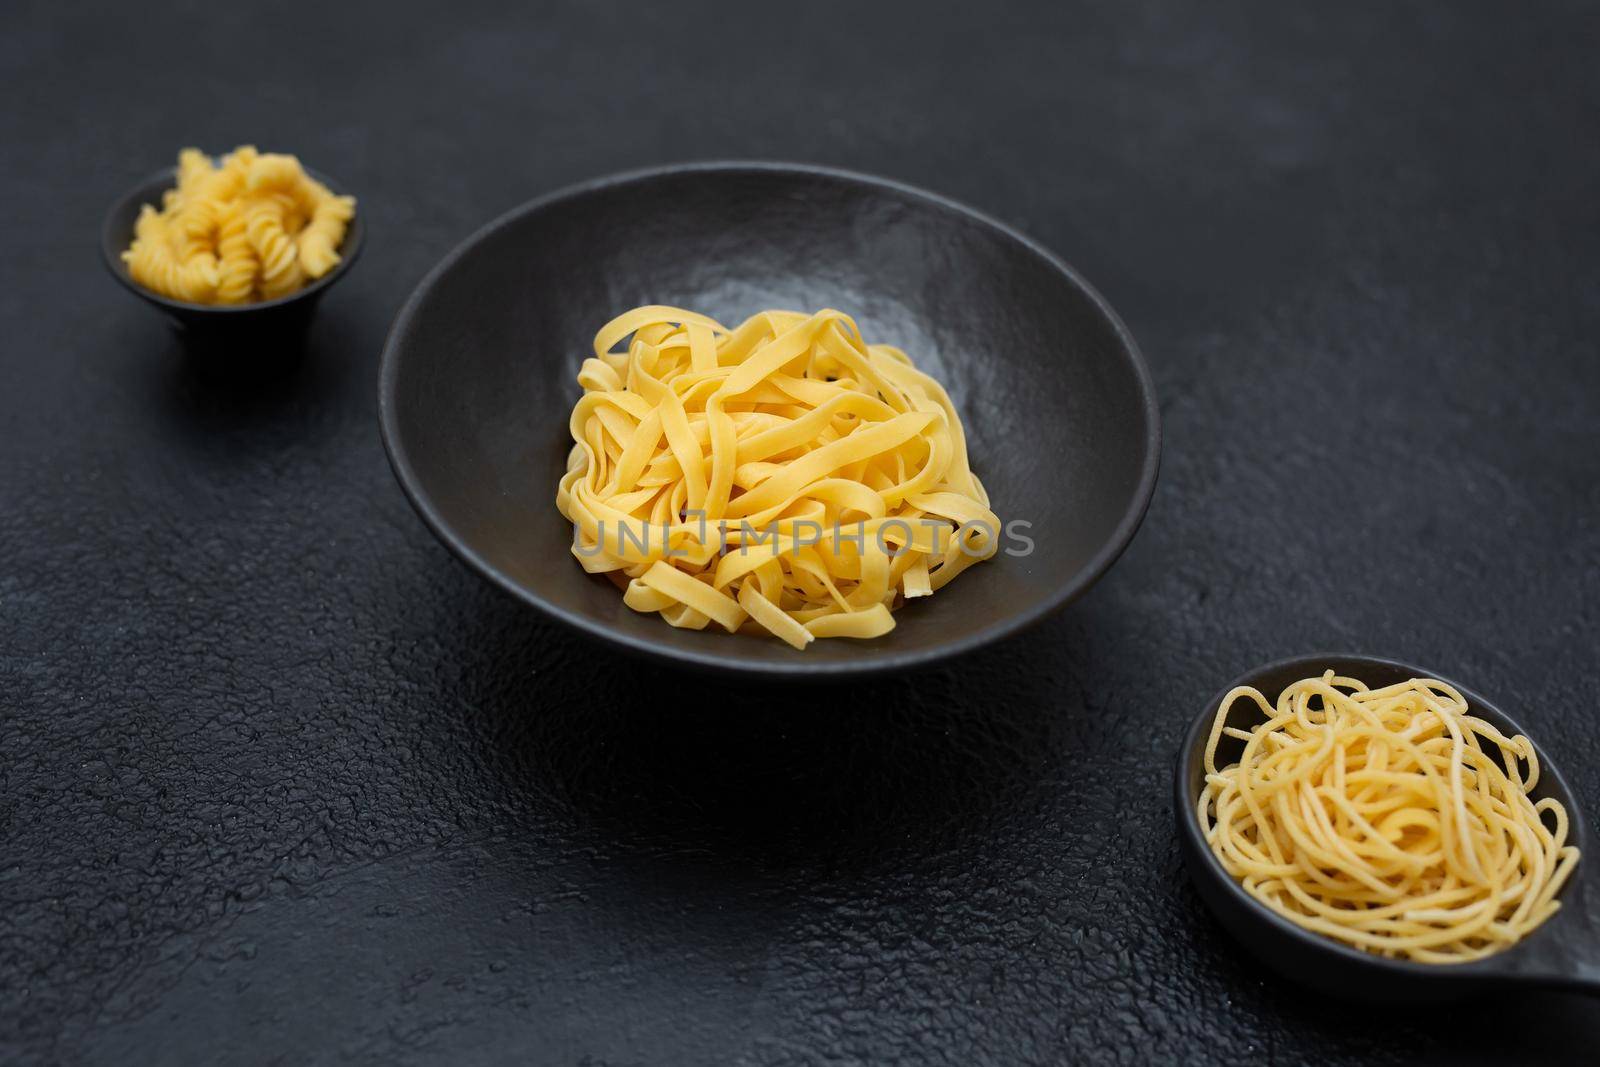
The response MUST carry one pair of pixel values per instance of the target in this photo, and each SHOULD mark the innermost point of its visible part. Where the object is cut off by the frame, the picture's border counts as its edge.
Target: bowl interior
(117, 234)
(479, 382)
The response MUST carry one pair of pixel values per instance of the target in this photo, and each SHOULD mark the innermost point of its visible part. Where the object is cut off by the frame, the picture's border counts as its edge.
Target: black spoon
(1562, 953)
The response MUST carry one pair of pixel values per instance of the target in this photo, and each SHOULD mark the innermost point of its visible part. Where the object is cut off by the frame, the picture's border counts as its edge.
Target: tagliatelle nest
(783, 476)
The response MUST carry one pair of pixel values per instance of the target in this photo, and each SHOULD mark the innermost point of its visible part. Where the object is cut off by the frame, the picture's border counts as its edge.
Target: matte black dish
(1564, 952)
(478, 382)
(251, 325)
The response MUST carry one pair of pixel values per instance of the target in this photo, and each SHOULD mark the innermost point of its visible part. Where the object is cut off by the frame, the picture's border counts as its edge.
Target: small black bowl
(478, 384)
(226, 327)
(1563, 953)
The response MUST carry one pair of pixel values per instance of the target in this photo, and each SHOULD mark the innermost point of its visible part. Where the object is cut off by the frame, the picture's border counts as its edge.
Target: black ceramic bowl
(1564, 952)
(251, 325)
(478, 383)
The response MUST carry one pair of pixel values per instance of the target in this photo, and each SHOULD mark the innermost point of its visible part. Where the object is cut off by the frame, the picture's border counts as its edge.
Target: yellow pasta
(252, 226)
(238, 264)
(784, 477)
(320, 238)
(1390, 819)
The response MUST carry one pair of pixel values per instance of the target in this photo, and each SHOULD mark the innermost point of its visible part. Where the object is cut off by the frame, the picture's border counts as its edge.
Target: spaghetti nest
(783, 476)
(1389, 819)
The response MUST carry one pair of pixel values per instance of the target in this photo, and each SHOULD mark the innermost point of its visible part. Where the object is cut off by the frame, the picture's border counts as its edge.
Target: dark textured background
(280, 780)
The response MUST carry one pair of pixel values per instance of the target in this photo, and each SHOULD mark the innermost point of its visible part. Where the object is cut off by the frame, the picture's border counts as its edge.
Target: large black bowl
(478, 383)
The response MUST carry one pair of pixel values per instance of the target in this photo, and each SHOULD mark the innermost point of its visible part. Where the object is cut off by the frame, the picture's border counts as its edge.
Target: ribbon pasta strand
(782, 477)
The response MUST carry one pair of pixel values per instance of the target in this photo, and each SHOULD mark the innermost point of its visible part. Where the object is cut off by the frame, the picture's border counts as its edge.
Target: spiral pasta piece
(272, 171)
(268, 236)
(252, 226)
(320, 239)
(783, 477)
(238, 263)
(193, 168)
(153, 263)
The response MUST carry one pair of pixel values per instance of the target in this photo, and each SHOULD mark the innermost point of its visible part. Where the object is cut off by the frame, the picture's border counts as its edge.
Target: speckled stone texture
(282, 782)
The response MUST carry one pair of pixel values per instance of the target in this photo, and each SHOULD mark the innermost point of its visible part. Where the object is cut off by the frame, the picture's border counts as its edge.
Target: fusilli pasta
(251, 226)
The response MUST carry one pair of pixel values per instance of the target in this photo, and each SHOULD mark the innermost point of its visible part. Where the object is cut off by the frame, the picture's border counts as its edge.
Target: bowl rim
(1502, 964)
(148, 191)
(872, 661)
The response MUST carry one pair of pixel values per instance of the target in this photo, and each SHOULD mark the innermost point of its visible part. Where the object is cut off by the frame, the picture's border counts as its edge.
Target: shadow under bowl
(1560, 953)
(270, 328)
(478, 384)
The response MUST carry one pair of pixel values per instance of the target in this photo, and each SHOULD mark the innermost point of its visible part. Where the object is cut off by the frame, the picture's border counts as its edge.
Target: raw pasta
(1390, 819)
(782, 477)
(253, 226)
